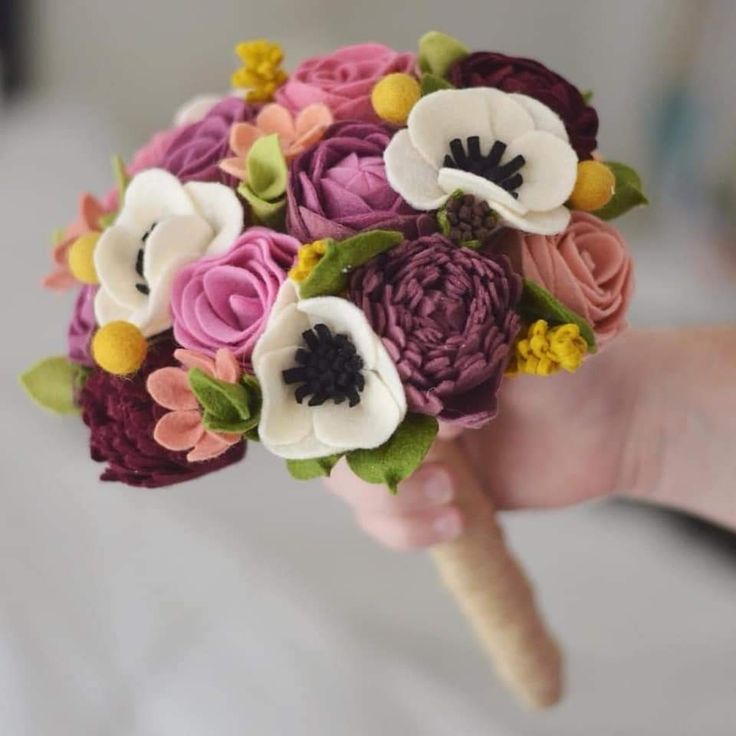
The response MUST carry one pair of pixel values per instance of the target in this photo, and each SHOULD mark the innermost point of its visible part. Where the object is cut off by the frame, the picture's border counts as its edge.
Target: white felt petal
(446, 114)
(343, 317)
(283, 421)
(219, 205)
(452, 179)
(508, 118)
(283, 331)
(193, 110)
(115, 259)
(540, 223)
(410, 175)
(366, 425)
(151, 196)
(386, 370)
(108, 310)
(544, 118)
(183, 236)
(549, 171)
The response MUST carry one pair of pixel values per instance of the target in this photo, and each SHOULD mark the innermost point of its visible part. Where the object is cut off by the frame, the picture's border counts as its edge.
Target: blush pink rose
(344, 80)
(587, 267)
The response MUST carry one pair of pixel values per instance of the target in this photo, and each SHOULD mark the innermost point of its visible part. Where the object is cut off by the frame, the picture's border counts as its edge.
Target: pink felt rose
(224, 301)
(344, 80)
(587, 267)
(152, 153)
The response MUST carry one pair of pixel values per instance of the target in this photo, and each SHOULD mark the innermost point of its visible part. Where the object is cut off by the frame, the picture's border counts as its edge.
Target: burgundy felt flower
(122, 416)
(195, 152)
(529, 77)
(446, 316)
(338, 187)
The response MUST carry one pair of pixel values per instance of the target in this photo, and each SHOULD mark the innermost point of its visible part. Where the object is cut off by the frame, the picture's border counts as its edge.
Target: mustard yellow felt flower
(546, 350)
(261, 73)
(308, 257)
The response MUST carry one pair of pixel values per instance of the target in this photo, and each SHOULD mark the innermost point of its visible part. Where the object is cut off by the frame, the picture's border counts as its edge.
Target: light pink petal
(210, 445)
(233, 166)
(90, 211)
(192, 359)
(227, 367)
(169, 387)
(275, 118)
(242, 137)
(312, 116)
(179, 430)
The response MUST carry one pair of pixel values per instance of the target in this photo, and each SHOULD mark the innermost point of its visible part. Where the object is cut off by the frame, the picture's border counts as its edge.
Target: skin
(653, 418)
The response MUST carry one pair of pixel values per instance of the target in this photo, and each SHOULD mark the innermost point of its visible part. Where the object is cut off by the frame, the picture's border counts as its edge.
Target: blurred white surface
(249, 604)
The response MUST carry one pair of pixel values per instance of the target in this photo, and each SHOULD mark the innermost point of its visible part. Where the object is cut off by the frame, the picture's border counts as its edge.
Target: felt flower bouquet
(333, 262)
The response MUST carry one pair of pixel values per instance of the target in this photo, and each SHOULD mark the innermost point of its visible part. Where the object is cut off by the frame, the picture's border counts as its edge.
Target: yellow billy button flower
(546, 350)
(261, 73)
(394, 96)
(307, 258)
(119, 348)
(594, 186)
(81, 258)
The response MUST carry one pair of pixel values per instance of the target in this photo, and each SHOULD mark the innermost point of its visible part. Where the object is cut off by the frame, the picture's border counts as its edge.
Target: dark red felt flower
(515, 74)
(446, 316)
(121, 416)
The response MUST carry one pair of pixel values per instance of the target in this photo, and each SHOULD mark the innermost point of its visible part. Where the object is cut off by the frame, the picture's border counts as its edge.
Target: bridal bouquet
(334, 261)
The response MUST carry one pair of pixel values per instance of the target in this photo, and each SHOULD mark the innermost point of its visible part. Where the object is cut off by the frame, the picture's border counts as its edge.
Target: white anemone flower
(506, 149)
(328, 384)
(162, 225)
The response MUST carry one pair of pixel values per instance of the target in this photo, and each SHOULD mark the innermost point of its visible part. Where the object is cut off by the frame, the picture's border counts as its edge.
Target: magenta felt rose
(195, 152)
(152, 154)
(338, 187)
(82, 327)
(224, 301)
(587, 267)
(344, 79)
(446, 316)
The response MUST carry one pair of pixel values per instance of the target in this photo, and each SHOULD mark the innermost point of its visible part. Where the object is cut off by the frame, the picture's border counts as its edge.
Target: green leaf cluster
(265, 186)
(54, 382)
(227, 407)
(628, 194)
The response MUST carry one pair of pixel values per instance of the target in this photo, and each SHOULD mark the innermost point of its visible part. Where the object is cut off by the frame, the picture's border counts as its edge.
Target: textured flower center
(468, 157)
(142, 285)
(328, 367)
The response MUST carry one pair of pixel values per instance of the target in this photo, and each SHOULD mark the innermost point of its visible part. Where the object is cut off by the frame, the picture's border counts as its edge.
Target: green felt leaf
(319, 467)
(537, 303)
(588, 96)
(628, 194)
(53, 382)
(438, 52)
(331, 274)
(432, 83)
(121, 176)
(270, 214)
(266, 168)
(400, 456)
(226, 407)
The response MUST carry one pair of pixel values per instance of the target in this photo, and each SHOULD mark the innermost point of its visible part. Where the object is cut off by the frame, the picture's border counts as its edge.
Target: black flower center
(142, 286)
(328, 367)
(470, 158)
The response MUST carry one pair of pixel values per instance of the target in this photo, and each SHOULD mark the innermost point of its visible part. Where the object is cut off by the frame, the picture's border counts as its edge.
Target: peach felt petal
(210, 445)
(275, 118)
(242, 137)
(192, 359)
(313, 116)
(91, 211)
(233, 166)
(179, 430)
(227, 367)
(169, 387)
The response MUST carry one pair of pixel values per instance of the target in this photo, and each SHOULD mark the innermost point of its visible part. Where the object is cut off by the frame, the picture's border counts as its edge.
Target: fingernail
(448, 526)
(438, 489)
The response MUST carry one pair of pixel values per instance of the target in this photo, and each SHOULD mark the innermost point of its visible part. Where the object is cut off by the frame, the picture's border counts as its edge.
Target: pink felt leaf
(313, 116)
(242, 137)
(169, 387)
(233, 166)
(179, 430)
(210, 445)
(192, 359)
(227, 367)
(275, 118)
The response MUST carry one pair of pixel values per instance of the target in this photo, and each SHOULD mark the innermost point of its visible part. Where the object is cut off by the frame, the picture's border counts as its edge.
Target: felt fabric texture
(447, 318)
(594, 186)
(264, 186)
(338, 188)
(225, 301)
(195, 108)
(438, 52)
(171, 224)
(394, 96)
(119, 348)
(152, 154)
(296, 133)
(546, 350)
(229, 407)
(628, 192)
(297, 431)
(121, 416)
(343, 80)
(182, 428)
(416, 165)
(195, 152)
(261, 74)
(82, 326)
(52, 383)
(587, 267)
(531, 78)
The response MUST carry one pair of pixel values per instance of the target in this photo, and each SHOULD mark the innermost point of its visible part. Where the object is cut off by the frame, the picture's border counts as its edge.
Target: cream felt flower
(328, 383)
(163, 224)
(506, 149)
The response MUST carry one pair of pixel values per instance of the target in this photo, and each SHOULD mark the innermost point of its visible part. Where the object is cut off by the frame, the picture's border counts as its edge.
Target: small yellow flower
(545, 350)
(307, 258)
(261, 73)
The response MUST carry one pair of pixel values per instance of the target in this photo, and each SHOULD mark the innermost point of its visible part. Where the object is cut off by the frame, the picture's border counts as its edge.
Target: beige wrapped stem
(495, 595)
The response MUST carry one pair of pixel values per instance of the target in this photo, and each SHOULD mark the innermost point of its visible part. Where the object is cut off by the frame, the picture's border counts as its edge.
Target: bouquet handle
(495, 595)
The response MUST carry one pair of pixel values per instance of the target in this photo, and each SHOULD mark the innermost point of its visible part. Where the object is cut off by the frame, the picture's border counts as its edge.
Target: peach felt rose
(296, 133)
(587, 267)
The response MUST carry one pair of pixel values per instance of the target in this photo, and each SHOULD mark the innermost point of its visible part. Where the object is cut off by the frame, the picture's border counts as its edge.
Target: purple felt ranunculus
(121, 416)
(338, 187)
(196, 150)
(82, 327)
(224, 301)
(446, 315)
(529, 77)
